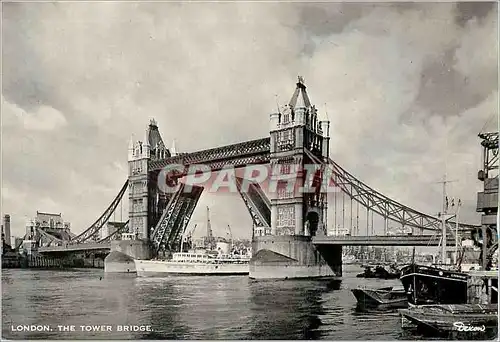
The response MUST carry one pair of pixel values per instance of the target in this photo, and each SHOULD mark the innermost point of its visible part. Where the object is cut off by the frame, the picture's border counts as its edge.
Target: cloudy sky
(408, 87)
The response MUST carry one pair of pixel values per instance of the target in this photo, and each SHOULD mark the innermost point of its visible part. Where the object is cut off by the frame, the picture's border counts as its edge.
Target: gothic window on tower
(286, 216)
(286, 139)
(286, 118)
(283, 193)
(284, 168)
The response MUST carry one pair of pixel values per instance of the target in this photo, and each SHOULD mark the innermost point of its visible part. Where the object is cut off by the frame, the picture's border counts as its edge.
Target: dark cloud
(446, 91)
(23, 79)
(320, 19)
(470, 10)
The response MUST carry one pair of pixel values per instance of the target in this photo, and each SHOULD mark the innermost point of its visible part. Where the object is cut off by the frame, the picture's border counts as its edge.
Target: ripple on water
(189, 307)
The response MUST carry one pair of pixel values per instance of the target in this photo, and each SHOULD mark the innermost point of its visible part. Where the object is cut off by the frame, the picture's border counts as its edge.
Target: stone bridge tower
(145, 203)
(296, 216)
(294, 129)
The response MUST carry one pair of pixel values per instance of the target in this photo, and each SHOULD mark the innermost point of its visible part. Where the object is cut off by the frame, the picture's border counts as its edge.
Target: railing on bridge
(405, 240)
(80, 247)
(239, 154)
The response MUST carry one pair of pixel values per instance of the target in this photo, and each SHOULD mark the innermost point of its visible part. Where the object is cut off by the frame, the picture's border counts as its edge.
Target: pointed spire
(173, 149)
(322, 115)
(131, 148)
(131, 143)
(146, 138)
(300, 101)
(299, 98)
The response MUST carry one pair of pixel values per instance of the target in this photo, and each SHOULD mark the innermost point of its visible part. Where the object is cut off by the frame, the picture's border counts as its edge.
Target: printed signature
(460, 326)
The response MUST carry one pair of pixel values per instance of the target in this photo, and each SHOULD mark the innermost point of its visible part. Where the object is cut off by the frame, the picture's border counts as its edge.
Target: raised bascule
(297, 245)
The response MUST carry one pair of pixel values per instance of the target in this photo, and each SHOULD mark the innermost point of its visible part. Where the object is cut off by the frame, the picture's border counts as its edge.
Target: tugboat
(432, 285)
(436, 284)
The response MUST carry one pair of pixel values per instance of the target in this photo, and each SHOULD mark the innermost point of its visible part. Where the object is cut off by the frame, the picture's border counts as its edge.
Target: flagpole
(456, 231)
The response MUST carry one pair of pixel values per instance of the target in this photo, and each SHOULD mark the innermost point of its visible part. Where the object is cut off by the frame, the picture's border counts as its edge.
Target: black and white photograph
(249, 170)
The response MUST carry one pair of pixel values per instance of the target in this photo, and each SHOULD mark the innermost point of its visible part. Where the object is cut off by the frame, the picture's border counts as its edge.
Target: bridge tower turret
(139, 157)
(296, 136)
(294, 129)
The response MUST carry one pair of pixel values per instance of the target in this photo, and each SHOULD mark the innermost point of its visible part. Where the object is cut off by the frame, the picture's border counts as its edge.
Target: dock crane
(487, 202)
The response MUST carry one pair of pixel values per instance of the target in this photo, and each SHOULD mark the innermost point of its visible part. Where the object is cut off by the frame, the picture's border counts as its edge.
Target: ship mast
(443, 220)
(187, 234)
(209, 229)
(230, 235)
(443, 225)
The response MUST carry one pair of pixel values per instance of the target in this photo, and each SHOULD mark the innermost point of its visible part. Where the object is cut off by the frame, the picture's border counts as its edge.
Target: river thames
(189, 307)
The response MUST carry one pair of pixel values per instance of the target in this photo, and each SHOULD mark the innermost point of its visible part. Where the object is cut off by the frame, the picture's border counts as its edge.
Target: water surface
(190, 307)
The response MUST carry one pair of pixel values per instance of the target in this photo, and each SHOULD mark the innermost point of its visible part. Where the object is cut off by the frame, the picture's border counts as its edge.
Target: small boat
(478, 319)
(385, 297)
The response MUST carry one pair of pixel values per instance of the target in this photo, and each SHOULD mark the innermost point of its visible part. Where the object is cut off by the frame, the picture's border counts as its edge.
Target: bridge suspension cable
(120, 230)
(51, 238)
(378, 203)
(93, 230)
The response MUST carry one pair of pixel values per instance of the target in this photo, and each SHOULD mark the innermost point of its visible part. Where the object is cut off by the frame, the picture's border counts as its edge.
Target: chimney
(6, 228)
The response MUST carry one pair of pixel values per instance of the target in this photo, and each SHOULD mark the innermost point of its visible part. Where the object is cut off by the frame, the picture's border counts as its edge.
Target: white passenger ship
(198, 261)
(195, 263)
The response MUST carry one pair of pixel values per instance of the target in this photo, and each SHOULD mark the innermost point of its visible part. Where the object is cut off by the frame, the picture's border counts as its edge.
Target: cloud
(43, 119)
(406, 86)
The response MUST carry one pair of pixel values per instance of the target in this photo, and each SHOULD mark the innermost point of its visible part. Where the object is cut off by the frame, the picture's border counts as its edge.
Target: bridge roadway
(79, 247)
(401, 240)
(381, 240)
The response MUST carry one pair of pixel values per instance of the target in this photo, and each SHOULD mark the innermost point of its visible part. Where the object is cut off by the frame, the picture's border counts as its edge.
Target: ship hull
(380, 298)
(158, 268)
(274, 272)
(432, 285)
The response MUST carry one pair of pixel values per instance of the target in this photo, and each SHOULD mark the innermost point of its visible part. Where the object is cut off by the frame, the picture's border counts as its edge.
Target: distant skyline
(407, 88)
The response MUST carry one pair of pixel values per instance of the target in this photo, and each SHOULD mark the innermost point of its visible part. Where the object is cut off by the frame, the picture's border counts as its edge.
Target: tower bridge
(298, 245)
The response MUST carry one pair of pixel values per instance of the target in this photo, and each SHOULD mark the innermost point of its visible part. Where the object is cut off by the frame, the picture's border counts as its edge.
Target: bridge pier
(122, 255)
(293, 257)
